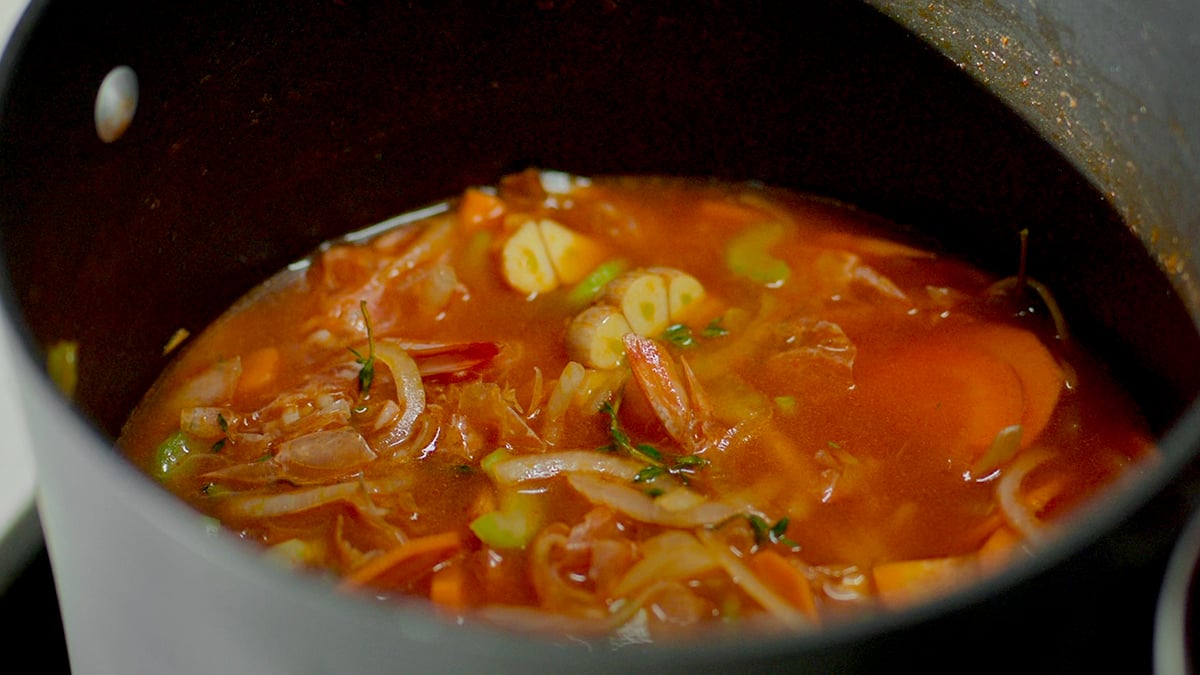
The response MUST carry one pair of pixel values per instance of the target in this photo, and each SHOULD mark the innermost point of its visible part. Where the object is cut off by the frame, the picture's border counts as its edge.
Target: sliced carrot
(440, 544)
(259, 368)
(958, 388)
(1040, 374)
(904, 582)
(943, 394)
(785, 579)
(478, 209)
(448, 588)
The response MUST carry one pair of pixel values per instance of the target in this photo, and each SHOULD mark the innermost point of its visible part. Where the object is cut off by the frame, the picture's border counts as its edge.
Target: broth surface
(639, 405)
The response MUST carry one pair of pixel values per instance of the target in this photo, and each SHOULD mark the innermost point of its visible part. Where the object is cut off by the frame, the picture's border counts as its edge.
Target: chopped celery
(590, 288)
(492, 459)
(475, 255)
(210, 525)
(513, 525)
(517, 520)
(62, 363)
(747, 255)
(172, 451)
(786, 404)
(293, 553)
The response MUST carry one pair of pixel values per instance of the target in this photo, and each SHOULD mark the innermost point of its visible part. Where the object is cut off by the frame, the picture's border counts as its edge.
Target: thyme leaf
(765, 532)
(649, 451)
(715, 329)
(224, 426)
(679, 334)
(649, 473)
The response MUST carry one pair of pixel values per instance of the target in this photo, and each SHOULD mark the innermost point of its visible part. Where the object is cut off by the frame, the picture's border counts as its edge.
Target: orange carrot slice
(904, 582)
(1040, 374)
(478, 209)
(785, 579)
(440, 545)
(448, 588)
(960, 387)
(259, 368)
(999, 549)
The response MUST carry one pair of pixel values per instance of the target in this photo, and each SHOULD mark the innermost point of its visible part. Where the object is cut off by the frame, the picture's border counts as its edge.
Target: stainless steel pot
(262, 130)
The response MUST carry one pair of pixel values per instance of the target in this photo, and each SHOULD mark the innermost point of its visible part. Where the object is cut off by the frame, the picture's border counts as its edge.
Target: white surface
(18, 533)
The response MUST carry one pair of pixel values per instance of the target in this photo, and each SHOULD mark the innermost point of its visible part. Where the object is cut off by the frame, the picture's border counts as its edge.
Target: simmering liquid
(645, 405)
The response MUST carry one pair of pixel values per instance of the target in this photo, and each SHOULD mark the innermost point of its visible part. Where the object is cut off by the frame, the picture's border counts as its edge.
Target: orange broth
(824, 427)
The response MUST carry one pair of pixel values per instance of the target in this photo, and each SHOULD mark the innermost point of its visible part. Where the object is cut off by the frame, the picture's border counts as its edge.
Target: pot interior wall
(262, 131)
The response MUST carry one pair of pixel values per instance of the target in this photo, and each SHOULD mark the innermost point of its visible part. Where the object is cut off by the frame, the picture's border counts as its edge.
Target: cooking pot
(261, 129)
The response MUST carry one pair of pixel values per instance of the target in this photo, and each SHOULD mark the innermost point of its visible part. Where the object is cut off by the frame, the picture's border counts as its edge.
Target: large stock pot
(262, 129)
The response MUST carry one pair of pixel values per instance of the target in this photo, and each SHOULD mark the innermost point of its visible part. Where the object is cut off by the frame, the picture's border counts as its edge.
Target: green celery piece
(172, 451)
(786, 404)
(492, 459)
(62, 364)
(747, 255)
(590, 288)
(513, 526)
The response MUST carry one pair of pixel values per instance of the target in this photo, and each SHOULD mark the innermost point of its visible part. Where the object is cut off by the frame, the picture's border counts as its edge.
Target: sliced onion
(560, 399)
(636, 505)
(1003, 448)
(409, 389)
(1018, 515)
(211, 387)
(542, 621)
(672, 555)
(523, 468)
(680, 499)
(247, 474)
(546, 575)
(293, 501)
(204, 422)
(304, 499)
(741, 575)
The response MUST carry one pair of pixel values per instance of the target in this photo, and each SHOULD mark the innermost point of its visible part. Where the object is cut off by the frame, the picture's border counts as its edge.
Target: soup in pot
(641, 405)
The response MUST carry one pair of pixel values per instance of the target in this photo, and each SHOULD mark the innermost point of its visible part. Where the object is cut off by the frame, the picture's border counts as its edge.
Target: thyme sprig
(366, 374)
(715, 329)
(658, 463)
(682, 335)
(765, 532)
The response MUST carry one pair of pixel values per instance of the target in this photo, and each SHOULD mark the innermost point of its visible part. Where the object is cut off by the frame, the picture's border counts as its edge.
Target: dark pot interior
(263, 130)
